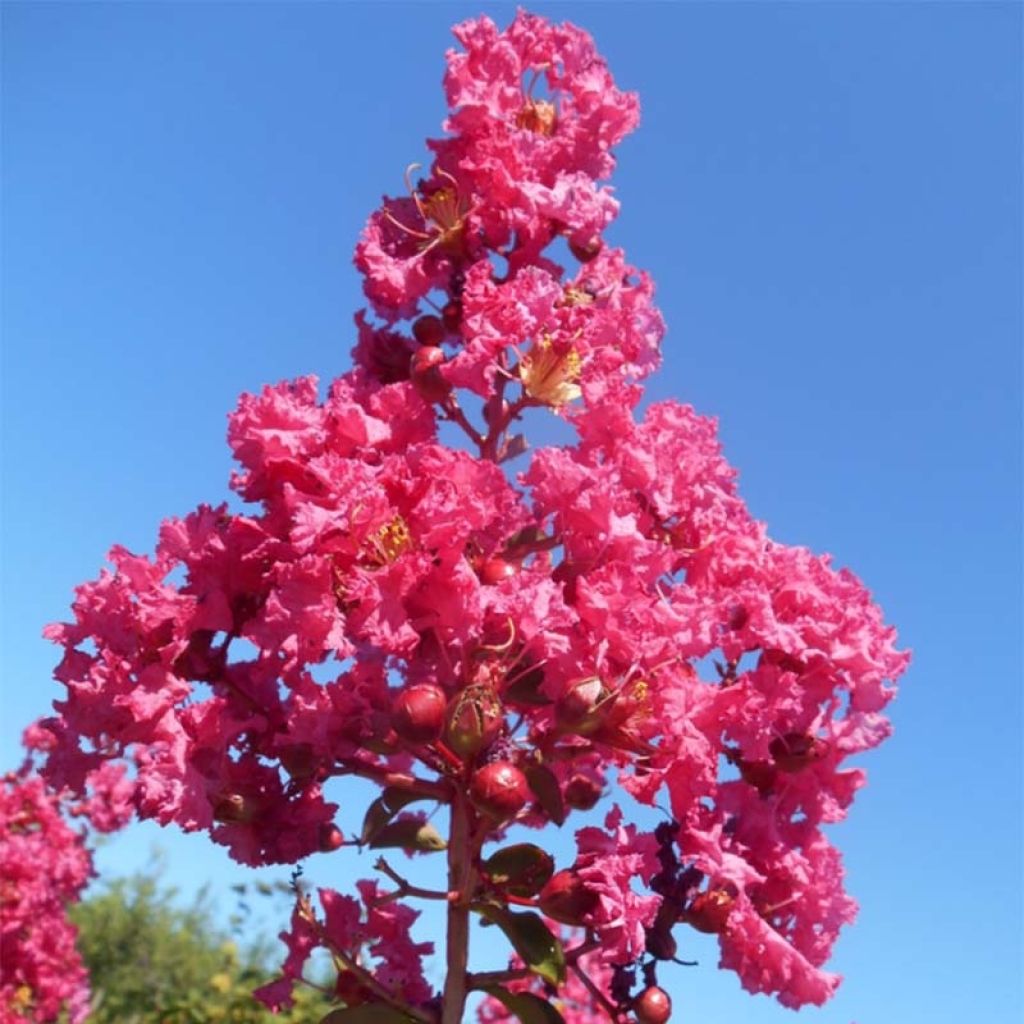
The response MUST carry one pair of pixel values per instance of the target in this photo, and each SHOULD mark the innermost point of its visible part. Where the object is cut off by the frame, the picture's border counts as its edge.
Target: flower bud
(233, 808)
(451, 315)
(582, 792)
(330, 837)
(759, 774)
(581, 709)
(495, 410)
(496, 570)
(419, 713)
(499, 789)
(428, 330)
(586, 251)
(567, 899)
(425, 374)
(475, 718)
(653, 1006)
(709, 911)
(796, 750)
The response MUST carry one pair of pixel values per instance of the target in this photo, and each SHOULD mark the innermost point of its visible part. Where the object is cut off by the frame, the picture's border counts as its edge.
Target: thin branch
(406, 888)
(482, 979)
(454, 413)
(599, 996)
(350, 964)
(439, 791)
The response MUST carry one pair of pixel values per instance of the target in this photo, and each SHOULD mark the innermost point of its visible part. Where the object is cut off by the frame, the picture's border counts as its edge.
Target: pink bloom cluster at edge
(44, 866)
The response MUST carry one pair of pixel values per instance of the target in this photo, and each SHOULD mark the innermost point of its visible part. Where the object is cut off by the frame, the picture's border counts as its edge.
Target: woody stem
(460, 884)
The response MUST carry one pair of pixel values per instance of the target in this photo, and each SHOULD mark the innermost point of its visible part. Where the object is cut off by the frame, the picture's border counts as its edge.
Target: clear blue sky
(828, 197)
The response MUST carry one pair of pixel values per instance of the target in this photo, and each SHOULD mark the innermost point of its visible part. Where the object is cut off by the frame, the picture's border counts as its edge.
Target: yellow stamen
(550, 376)
(538, 116)
(390, 542)
(574, 296)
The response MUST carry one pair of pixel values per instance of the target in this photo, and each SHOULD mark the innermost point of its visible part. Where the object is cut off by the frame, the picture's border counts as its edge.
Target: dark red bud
(425, 374)
(582, 792)
(495, 411)
(495, 570)
(567, 899)
(428, 330)
(653, 1006)
(796, 750)
(759, 774)
(581, 708)
(451, 315)
(475, 718)
(709, 911)
(330, 837)
(739, 617)
(500, 790)
(419, 713)
(585, 251)
(233, 808)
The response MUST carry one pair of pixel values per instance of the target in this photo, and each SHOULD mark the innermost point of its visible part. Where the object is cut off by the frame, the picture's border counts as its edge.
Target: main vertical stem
(460, 880)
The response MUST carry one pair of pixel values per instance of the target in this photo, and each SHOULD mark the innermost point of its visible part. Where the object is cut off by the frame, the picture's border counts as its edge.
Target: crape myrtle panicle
(44, 866)
(498, 640)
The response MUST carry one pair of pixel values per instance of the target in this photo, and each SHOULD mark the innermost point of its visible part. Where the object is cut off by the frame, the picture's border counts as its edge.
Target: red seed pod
(425, 374)
(495, 570)
(582, 792)
(419, 713)
(474, 720)
(330, 838)
(428, 330)
(586, 251)
(796, 750)
(451, 315)
(582, 708)
(499, 789)
(567, 899)
(653, 1006)
(709, 911)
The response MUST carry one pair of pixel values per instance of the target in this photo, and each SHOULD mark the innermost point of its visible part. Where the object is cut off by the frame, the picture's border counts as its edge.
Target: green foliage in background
(154, 960)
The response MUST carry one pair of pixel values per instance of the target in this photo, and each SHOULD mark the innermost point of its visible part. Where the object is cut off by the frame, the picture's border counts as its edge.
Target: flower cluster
(495, 643)
(44, 866)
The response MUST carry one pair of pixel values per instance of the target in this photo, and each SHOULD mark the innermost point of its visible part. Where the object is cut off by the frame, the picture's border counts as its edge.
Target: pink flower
(44, 866)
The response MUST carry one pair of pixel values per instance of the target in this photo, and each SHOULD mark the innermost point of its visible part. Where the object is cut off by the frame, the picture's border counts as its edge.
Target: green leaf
(530, 1009)
(410, 834)
(521, 869)
(531, 939)
(547, 791)
(383, 809)
(368, 1013)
